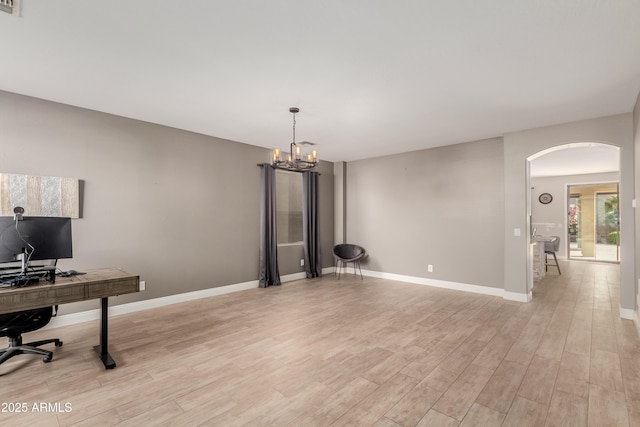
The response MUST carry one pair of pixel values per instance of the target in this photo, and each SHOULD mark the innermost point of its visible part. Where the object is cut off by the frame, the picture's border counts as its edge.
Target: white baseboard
(116, 310)
(515, 296)
(632, 315)
(627, 313)
(484, 290)
(302, 275)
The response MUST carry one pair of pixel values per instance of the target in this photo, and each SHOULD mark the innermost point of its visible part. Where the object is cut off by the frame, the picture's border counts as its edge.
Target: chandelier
(296, 160)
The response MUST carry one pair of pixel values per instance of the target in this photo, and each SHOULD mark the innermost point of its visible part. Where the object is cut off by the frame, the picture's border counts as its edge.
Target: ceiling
(370, 77)
(578, 160)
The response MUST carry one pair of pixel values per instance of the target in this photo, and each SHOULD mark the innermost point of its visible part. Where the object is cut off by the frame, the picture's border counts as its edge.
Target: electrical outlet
(143, 285)
(430, 268)
(302, 262)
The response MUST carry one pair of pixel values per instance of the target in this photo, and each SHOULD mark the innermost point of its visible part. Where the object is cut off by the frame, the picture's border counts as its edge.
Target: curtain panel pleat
(310, 226)
(269, 273)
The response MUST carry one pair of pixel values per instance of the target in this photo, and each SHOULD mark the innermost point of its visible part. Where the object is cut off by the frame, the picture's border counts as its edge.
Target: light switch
(516, 232)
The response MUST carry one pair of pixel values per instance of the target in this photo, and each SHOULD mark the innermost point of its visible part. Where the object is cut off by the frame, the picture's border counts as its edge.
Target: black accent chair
(550, 248)
(13, 325)
(345, 253)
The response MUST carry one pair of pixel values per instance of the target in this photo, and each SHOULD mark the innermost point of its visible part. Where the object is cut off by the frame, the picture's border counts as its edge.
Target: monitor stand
(23, 262)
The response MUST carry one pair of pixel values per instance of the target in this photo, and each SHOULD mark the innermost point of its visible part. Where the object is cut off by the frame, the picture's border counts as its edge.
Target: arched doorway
(553, 172)
(520, 146)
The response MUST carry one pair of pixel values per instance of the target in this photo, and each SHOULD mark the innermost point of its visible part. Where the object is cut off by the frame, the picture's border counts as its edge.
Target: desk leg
(103, 349)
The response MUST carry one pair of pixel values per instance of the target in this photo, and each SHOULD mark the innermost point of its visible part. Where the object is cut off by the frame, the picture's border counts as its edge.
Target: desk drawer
(40, 296)
(109, 289)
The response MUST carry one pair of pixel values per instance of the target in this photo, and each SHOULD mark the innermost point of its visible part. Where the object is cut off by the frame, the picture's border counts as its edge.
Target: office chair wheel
(46, 359)
(58, 343)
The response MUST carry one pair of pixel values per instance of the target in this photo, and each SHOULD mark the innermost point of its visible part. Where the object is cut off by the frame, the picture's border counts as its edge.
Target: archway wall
(518, 146)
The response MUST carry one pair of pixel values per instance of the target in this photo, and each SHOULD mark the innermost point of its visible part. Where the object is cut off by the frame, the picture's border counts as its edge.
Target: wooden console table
(101, 283)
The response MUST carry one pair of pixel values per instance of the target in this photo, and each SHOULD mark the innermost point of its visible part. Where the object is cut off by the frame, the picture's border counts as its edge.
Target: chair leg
(546, 262)
(8, 353)
(23, 349)
(29, 348)
(342, 266)
(55, 341)
(557, 265)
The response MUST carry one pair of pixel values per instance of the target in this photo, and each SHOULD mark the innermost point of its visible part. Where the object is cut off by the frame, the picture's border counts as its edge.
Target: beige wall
(179, 208)
(441, 206)
(339, 194)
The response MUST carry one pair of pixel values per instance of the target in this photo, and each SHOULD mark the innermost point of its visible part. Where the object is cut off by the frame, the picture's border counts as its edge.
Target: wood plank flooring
(367, 352)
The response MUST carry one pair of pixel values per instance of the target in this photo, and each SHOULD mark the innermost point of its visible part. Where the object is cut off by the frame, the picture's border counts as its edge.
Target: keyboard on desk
(21, 280)
(14, 278)
(18, 282)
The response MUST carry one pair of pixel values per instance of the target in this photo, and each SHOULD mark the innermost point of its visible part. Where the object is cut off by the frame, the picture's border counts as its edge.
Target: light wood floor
(349, 352)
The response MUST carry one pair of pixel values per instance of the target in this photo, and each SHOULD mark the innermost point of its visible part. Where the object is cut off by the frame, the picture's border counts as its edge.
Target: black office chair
(550, 248)
(13, 325)
(346, 253)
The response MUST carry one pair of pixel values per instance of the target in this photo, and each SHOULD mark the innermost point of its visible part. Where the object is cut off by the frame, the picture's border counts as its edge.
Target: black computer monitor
(42, 238)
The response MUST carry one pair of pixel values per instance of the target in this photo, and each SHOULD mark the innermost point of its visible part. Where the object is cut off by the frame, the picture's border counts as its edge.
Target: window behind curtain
(289, 206)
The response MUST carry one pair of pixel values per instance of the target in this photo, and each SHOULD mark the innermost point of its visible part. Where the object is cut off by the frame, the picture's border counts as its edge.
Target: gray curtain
(310, 232)
(269, 274)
